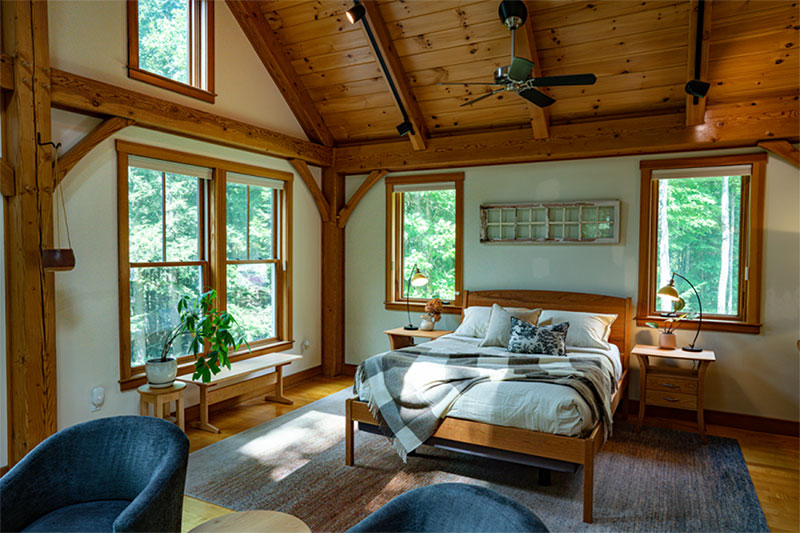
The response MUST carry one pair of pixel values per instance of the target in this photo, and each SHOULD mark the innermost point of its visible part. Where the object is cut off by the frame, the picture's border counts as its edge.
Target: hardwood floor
(773, 460)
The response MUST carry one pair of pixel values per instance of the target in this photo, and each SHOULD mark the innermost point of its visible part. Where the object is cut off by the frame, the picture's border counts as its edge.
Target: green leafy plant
(206, 325)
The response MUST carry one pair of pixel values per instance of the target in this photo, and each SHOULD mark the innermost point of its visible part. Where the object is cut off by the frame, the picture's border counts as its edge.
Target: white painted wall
(754, 374)
(88, 38)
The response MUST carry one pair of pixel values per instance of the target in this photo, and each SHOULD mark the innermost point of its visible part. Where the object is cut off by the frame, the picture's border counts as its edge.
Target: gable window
(188, 224)
(171, 45)
(702, 219)
(424, 218)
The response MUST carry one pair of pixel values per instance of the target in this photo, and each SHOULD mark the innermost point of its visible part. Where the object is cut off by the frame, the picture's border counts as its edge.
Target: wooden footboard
(534, 443)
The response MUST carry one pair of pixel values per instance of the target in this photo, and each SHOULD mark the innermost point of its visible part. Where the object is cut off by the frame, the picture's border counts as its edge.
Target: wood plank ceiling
(638, 50)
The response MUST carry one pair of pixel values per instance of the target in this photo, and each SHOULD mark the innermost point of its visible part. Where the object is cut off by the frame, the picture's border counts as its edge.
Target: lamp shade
(669, 291)
(355, 13)
(418, 279)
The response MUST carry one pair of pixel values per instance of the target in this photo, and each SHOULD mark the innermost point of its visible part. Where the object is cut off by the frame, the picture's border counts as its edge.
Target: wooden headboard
(566, 301)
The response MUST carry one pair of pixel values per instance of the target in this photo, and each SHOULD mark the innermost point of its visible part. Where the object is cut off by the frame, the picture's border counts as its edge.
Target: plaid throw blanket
(411, 390)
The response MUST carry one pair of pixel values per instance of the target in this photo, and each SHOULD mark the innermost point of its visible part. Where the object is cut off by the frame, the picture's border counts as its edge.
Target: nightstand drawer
(660, 382)
(671, 399)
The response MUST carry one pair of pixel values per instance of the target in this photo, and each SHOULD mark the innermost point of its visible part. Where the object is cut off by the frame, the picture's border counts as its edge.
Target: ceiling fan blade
(487, 95)
(520, 69)
(536, 97)
(556, 81)
(467, 83)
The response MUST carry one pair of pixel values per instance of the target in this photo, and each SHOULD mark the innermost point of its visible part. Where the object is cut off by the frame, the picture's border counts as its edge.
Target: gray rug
(656, 480)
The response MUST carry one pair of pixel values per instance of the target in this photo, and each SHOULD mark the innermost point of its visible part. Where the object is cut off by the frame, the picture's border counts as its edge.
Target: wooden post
(29, 228)
(332, 276)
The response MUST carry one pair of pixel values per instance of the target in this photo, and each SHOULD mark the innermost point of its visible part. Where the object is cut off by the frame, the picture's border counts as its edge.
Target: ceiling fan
(516, 76)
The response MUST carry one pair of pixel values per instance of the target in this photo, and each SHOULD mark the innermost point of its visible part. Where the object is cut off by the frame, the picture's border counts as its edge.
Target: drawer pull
(669, 385)
(667, 398)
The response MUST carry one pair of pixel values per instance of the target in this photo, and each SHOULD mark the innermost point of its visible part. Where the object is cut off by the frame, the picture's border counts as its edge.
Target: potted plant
(667, 340)
(207, 325)
(433, 314)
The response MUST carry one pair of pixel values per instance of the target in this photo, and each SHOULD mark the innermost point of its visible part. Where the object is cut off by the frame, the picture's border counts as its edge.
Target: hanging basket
(60, 259)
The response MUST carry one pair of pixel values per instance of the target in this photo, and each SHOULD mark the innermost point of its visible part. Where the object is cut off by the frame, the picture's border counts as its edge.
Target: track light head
(697, 88)
(405, 127)
(355, 13)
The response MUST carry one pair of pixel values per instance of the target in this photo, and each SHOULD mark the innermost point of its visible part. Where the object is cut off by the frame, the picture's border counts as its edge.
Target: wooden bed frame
(521, 443)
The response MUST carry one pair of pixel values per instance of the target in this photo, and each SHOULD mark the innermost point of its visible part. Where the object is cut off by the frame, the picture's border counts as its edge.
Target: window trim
(201, 76)
(752, 226)
(394, 235)
(215, 221)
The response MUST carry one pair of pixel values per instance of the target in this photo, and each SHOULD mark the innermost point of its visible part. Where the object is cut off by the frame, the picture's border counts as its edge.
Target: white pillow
(587, 330)
(499, 330)
(475, 323)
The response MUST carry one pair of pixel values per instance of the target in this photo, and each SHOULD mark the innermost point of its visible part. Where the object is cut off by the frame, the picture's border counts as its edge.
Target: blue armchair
(448, 508)
(122, 473)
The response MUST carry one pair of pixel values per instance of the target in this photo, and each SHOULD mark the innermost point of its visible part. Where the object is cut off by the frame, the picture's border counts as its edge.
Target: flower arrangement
(434, 310)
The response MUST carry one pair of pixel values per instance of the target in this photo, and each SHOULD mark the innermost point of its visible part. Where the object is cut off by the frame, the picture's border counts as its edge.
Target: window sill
(417, 307)
(709, 324)
(139, 377)
(171, 85)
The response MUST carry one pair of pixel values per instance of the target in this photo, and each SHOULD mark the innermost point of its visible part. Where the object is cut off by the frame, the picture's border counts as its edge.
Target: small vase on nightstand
(426, 324)
(667, 341)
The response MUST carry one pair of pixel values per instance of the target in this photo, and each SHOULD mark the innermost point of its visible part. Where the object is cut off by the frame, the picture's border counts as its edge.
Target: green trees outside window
(699, 236)
(164, 38)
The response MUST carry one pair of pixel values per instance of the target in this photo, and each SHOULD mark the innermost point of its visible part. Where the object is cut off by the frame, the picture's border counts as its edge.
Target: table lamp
(416, 280)
(670, 292)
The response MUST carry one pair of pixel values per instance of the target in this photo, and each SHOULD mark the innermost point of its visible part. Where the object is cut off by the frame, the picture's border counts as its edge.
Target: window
(190, 223)
(171, 45)
(424, 217)
(702, 219)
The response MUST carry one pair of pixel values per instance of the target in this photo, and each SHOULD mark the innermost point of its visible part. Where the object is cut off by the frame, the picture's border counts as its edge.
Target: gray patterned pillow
(544, 340)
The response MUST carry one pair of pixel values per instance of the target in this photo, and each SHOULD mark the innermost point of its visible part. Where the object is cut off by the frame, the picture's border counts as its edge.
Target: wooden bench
(235, 382)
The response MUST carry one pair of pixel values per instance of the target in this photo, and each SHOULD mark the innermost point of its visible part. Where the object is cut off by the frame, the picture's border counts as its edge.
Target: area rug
(656, 480)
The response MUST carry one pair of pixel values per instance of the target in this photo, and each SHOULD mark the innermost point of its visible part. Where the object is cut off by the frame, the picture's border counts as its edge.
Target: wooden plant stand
(161, 398)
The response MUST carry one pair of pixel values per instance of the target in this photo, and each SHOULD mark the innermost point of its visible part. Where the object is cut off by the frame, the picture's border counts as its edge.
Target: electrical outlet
(97, 399)
(305, 344)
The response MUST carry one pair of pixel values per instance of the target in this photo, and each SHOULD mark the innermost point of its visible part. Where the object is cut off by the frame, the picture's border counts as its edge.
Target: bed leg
(588, 481)
(348, 433)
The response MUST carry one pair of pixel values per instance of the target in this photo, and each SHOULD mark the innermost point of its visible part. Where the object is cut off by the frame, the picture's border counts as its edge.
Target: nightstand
(401, 337)
(681, 388)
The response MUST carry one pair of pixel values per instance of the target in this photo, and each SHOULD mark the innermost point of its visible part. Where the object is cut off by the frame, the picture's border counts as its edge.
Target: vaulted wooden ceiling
(639, 51)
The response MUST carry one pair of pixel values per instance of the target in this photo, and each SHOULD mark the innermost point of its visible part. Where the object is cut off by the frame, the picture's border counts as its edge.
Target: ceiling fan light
(355, 13)
(697, 88)
(405, 127)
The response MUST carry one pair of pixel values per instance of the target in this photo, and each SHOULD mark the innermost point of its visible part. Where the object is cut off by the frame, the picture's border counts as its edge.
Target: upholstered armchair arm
(34, 487)
(159, 506)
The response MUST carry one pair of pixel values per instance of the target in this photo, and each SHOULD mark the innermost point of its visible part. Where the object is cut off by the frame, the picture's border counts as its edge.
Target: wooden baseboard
(349, 370)
(193, 413)
(722, 418)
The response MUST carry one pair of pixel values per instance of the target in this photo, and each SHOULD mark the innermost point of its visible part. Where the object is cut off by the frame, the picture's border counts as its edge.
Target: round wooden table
(160, 398)
(254, 522)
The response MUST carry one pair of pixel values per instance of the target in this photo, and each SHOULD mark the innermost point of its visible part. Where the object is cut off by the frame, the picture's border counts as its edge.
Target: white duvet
(534, 406)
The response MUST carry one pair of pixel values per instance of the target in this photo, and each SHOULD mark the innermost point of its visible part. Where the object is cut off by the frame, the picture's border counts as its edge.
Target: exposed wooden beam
(395, 71)
(103, 131)
(6, 72)
(333, 323)
(783, 149)
(696, 107)
(373, 178)
(76, 93)
(305, 174)
(727, 125)
(30, 291)
(540, 116)
(258, 31)
(7, 185)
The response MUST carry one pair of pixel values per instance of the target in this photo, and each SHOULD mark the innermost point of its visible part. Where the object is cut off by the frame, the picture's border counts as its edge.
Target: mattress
(534, 406)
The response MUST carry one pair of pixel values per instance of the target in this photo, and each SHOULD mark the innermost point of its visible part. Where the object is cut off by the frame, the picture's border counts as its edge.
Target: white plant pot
(667, 341)
(426, 324)
(161, 375)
